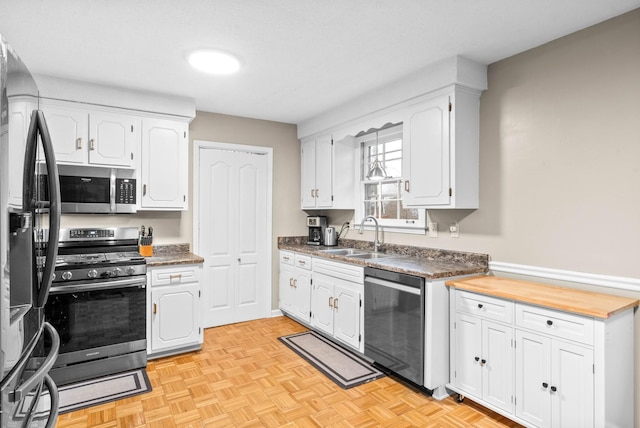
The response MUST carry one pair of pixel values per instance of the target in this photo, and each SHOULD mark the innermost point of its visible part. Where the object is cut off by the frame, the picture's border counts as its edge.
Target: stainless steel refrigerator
(29, 227)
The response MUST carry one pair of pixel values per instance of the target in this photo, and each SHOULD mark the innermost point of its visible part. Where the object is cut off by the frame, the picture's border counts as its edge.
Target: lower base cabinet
(295, 285)
(174, 313)
(540, 366)
(336, 307)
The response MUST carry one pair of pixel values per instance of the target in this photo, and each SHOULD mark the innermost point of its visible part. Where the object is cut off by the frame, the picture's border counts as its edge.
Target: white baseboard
(619, 282)
(276, 313)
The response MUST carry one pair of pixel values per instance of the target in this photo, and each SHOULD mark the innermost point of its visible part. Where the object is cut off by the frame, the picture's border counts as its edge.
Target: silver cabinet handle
(406, 186)
(92, 144)
(78, 143)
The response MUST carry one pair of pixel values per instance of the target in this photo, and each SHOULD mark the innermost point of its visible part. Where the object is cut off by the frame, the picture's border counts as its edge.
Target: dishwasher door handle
(394, 285)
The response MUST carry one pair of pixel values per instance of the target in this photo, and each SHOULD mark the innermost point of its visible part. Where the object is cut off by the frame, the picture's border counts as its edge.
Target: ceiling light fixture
(213, 61)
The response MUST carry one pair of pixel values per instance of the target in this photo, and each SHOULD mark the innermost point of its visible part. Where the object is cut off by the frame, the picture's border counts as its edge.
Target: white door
(232, 235)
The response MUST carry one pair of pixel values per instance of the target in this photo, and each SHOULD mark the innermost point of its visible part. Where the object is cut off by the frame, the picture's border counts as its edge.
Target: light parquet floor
(244, 377)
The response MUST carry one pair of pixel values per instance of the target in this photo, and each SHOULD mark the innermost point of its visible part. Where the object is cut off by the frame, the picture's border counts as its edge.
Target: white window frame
(387, 133)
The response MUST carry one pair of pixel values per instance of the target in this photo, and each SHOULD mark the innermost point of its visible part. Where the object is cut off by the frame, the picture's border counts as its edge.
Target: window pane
(371, 191)
(370, 209)
(394, 168)
(389, 190)
(409, 213)
(390, 209)
(394, 145)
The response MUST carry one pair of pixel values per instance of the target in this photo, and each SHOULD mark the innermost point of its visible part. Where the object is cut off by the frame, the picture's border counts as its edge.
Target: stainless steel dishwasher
(394, 322)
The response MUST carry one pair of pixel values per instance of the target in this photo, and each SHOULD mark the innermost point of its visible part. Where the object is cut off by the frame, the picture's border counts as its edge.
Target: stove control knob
(66, 275)
(116, 272)
(130, 270)
(92, 273)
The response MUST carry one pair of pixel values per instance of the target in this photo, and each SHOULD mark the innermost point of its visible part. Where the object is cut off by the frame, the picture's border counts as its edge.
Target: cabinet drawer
(484, 306)
(175, 275)
(286, 258)
(345, 271)
(302, 261)
(555, 323)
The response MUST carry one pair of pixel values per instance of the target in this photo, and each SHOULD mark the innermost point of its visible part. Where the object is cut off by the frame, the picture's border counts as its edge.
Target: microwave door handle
(112, 191)
(54, 210)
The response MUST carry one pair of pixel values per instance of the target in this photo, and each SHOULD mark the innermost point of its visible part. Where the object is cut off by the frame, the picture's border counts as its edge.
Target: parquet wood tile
(244, 377)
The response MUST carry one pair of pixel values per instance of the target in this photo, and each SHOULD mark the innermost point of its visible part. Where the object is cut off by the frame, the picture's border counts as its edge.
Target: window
(383, 198)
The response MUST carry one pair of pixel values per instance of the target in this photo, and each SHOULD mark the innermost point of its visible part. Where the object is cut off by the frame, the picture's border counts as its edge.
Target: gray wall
(559, 157)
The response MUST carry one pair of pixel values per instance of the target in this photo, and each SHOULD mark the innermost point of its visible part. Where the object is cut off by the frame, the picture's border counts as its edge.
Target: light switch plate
(433, 230)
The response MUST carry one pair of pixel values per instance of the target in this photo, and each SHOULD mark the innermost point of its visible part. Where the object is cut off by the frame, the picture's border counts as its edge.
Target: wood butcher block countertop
(587, 303)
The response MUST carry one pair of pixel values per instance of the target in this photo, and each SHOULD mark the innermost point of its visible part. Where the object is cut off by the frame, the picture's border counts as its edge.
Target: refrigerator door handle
(30, 198)
(37, 378)
(55, 401)
(54, 210)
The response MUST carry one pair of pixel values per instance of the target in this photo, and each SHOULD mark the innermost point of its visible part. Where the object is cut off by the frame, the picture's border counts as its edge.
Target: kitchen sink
(345, 252)
(370, 256)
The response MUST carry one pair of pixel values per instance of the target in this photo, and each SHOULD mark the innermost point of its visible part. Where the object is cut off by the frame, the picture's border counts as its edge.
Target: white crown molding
(619, 282)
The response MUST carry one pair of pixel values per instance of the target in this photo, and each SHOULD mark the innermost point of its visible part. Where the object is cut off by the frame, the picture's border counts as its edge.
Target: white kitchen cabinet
(564, 367)
(336, 301)
(89, 136)
(440, 160)
(327, 179)
(164, 165)
(554, 377)
(174, 297)
(483, 361)
(295, 285)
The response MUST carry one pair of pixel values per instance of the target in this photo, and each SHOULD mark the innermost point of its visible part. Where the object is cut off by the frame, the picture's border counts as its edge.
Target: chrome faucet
(376, 242)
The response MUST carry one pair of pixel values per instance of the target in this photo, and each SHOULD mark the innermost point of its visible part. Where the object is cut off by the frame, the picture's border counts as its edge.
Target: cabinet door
(322, 304)
(571, 386)
(426, 154)
(175, 317)
(468, 337)
(112, 139)
(286, 288)
(164, 164)
(324, 172)
(497, 364)
(69, 130)
(302, 295)
(347, 316)
(308, 173)
(533, 378)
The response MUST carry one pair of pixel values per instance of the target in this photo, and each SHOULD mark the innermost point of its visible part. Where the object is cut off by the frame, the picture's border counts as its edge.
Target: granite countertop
(173, 254)
(424, 262)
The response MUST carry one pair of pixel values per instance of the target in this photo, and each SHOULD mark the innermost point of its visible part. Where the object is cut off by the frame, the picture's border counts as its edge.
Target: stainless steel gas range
(97, 303)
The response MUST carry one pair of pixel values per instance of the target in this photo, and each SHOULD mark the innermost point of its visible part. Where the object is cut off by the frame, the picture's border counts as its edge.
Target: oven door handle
(394, 285)
(109, 285)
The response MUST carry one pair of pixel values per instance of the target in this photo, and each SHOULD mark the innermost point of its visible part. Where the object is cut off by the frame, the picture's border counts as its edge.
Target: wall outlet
(433, 230)
(454, 230)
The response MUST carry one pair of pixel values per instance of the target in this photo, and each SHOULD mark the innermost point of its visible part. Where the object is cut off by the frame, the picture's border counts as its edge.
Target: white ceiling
(300, 57)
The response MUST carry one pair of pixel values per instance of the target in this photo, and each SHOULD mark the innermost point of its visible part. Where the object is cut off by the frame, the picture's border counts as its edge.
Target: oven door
(98, 319)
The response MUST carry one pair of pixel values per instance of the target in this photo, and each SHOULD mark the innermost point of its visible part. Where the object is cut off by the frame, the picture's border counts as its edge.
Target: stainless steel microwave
(96, 190)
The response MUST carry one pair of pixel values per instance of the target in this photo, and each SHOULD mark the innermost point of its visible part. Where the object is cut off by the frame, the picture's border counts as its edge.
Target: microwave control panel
(125, 191)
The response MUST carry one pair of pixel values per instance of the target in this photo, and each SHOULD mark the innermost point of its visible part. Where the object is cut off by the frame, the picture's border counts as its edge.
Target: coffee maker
(317, 225)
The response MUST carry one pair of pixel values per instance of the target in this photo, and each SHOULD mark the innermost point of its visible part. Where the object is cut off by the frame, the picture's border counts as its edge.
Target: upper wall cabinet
(89, 136)
(327, 173)
(441, 151)
(164, 166)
